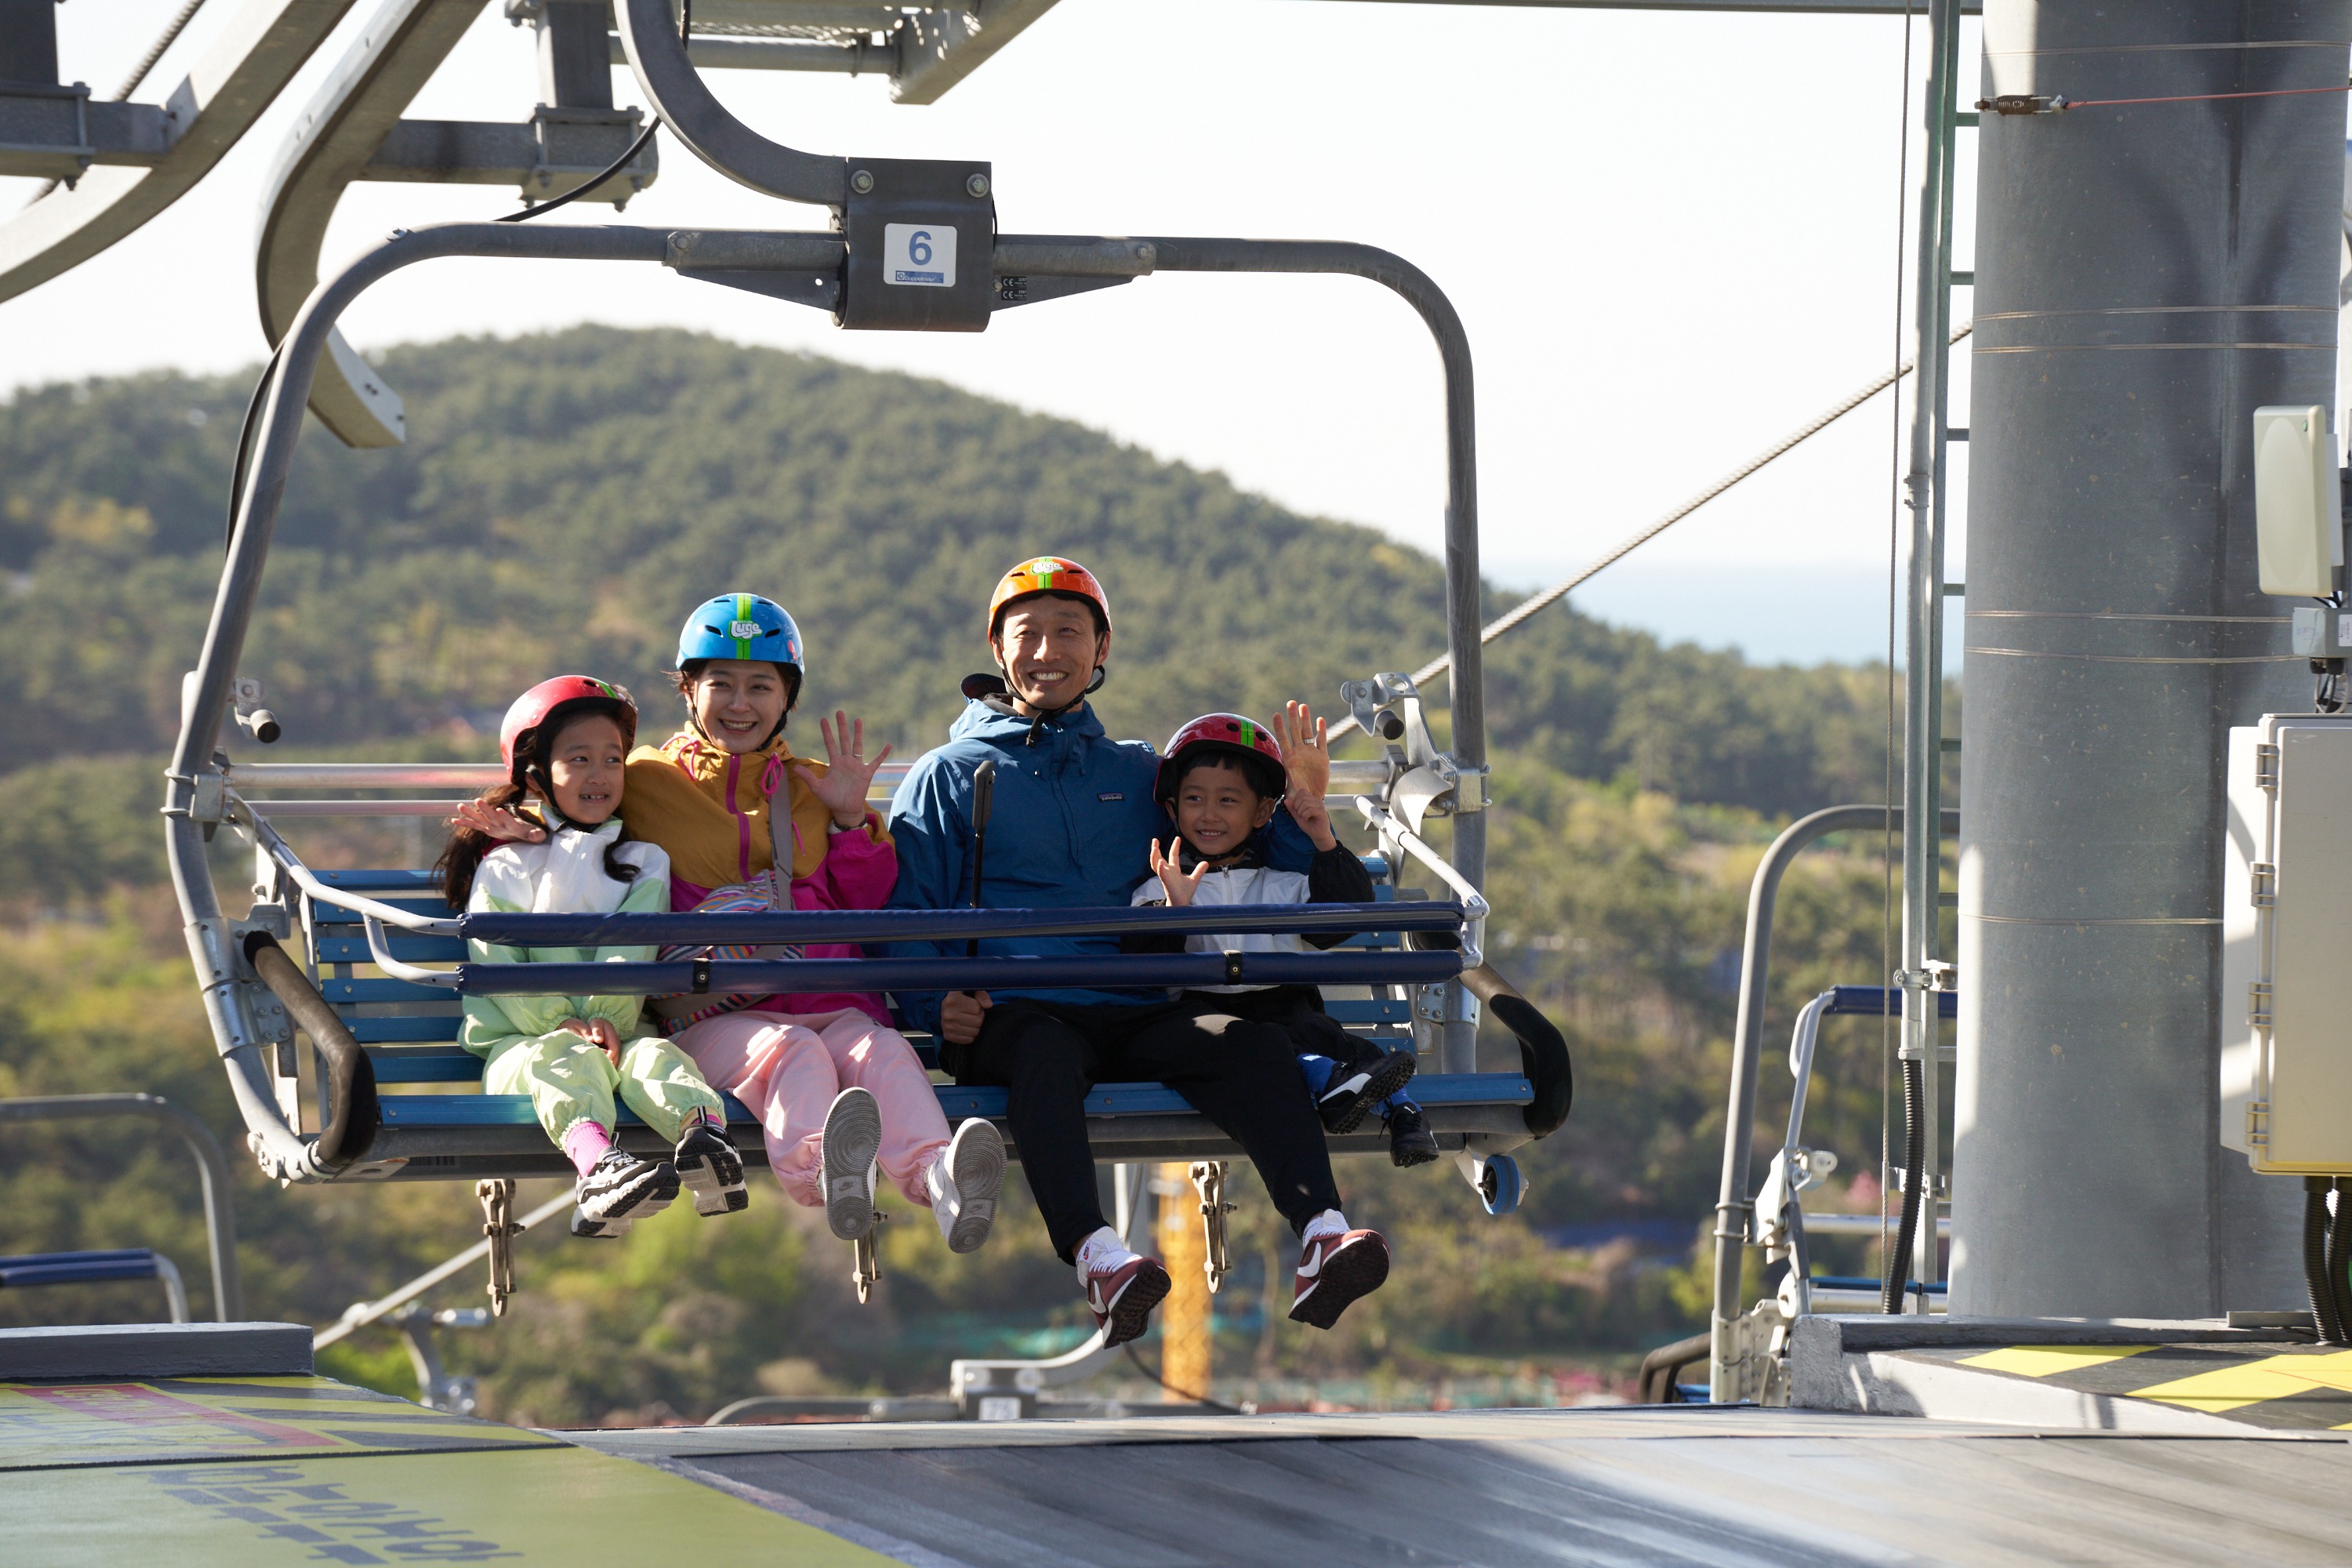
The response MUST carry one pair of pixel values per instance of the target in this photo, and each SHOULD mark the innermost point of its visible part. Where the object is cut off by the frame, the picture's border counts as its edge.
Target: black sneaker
(620, 1187)
(1342, 1106)
(1411, 1142)
(711, 1170)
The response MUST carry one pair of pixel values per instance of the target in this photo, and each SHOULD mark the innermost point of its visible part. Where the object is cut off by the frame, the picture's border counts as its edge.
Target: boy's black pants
(1243, 1075)
(1299, 1009)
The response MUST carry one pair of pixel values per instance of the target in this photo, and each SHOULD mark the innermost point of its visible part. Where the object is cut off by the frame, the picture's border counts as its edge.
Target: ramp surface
(262, 1472)
(1646, 1486)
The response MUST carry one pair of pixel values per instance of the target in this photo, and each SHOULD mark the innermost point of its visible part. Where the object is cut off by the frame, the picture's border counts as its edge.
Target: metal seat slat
(401, 945)
(1436, 1092)
(432, 1029)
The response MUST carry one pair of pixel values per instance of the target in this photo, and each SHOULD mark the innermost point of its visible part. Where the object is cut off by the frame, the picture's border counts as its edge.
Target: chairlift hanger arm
(665, 75)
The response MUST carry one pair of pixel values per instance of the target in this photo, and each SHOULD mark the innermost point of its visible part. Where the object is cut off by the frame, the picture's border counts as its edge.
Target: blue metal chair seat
(435, 1117)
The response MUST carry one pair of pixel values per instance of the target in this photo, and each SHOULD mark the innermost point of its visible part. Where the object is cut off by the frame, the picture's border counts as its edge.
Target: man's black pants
(1242, 1075)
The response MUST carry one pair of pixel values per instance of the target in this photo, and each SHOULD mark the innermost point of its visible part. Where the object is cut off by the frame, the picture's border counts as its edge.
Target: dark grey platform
(155, 1349)
(1640, 1485)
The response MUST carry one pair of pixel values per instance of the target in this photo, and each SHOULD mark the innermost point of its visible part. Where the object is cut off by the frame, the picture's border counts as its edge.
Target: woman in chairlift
(749, 825)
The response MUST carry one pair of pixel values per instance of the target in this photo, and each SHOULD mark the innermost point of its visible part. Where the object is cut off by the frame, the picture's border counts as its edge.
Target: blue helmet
(739, 625)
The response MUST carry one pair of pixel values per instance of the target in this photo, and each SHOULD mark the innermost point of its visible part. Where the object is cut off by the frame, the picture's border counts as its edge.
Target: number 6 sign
(923, 255)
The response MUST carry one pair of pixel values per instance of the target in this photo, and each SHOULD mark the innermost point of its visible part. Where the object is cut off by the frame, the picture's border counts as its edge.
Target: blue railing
(952, 925)
(1083, 972)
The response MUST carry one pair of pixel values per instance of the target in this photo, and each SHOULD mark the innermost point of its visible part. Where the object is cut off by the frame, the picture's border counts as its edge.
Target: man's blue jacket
(1072, 828)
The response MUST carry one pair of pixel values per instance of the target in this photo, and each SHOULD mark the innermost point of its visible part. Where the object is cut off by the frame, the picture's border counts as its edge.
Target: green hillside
(564, 498)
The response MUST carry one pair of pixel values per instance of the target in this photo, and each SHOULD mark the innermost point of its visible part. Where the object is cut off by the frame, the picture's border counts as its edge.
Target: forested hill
(564, 498)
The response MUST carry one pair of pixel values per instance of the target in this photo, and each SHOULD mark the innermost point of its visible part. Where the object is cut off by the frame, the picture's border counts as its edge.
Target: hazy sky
(1672, 238)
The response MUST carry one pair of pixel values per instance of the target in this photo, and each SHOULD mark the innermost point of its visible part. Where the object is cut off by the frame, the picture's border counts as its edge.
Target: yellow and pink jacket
(707, 808)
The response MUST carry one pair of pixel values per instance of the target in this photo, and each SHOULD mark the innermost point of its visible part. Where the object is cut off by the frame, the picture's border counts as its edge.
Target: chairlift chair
(378, 962)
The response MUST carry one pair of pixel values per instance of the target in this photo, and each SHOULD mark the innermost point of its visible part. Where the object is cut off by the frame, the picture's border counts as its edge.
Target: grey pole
(2146, 276)
(1923, 709)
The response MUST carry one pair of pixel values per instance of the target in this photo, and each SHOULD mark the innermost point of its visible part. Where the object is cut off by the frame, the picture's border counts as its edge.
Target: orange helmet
(1046, 574)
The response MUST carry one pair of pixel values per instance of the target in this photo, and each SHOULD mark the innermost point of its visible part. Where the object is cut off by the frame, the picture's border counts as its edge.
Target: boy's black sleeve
(1151, 942)
(1336, 877)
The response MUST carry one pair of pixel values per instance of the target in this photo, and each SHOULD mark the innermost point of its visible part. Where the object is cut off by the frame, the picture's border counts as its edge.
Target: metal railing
(212, 1171)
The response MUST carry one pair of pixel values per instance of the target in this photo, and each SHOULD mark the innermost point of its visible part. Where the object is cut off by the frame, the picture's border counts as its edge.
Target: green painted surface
(265, 1471)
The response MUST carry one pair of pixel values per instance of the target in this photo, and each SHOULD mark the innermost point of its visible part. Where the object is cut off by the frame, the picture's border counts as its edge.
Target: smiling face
(739, 702)
(1217, 808)
(1049, 648)
(585, 767)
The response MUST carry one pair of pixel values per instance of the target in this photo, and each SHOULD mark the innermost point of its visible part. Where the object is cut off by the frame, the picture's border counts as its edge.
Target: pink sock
(584, 1144)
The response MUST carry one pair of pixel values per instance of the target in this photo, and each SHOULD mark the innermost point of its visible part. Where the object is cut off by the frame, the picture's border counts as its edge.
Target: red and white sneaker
(1121, 1290)
(1334, 1267)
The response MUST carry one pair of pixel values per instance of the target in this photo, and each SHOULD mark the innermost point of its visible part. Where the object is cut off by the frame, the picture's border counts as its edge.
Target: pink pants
(787, 1068)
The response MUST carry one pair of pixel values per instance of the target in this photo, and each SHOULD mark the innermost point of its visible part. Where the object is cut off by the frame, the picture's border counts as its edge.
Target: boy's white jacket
(566, 875)
(1244, 885)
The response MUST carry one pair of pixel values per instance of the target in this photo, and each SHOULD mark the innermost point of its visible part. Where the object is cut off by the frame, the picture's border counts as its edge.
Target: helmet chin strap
(1037, 720)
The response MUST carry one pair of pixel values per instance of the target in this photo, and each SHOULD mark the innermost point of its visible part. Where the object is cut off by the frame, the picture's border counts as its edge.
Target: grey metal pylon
(2147, 276)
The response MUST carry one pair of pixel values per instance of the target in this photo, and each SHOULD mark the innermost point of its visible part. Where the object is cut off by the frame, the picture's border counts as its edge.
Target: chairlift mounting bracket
(922, 243)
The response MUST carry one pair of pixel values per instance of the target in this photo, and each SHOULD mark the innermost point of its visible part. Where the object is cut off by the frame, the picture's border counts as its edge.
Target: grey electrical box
(2286, 945)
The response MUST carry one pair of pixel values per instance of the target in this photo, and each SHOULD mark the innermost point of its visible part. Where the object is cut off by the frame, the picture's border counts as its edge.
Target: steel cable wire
(1527, 608)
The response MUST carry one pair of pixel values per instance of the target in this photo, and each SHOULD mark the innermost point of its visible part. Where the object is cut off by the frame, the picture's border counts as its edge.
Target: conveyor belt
(1647, 1485)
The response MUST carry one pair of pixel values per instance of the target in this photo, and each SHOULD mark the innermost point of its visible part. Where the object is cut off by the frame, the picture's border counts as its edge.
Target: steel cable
(1527, 608)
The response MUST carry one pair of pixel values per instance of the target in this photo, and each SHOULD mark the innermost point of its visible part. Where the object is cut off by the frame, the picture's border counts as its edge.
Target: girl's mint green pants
(569, 1081)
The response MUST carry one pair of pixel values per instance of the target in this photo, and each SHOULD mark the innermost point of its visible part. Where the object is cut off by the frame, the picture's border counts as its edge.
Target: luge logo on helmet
(746, 630)
(1045, 569)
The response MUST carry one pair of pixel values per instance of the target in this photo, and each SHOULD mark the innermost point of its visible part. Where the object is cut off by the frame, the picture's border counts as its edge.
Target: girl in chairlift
(746, 825)
(565, 743)
(1221, 780)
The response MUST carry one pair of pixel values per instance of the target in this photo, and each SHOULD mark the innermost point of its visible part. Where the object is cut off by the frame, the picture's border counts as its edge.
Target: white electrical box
(2286, 946)
(2298, 502)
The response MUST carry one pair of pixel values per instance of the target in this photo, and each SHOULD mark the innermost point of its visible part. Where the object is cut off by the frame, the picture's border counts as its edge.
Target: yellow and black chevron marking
(2282, 1387)
(273, 1472)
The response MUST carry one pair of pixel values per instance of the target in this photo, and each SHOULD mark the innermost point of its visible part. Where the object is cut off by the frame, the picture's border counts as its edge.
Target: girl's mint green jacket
(565, 875)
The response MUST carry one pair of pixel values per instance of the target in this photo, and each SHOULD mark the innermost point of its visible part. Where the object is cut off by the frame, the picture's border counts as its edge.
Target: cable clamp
(2025, 103)
(1232, 968)
(702, 975)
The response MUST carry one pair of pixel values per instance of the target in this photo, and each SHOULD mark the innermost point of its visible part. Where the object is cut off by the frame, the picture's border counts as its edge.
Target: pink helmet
(542, 703)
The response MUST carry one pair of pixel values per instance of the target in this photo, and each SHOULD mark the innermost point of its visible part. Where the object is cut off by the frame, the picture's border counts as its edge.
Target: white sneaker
(963, 1182)
(853, 1137)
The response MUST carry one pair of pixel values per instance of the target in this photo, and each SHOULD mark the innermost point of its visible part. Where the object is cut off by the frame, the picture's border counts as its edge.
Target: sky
(1672, 238)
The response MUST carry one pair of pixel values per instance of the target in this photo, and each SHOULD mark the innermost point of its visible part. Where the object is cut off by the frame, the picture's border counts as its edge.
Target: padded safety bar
(352, 1115)
(1084, 972)
(1543, 1049)
(950, 925)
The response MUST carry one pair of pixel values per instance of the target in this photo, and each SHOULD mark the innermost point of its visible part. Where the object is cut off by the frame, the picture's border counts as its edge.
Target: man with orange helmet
(1073, 824)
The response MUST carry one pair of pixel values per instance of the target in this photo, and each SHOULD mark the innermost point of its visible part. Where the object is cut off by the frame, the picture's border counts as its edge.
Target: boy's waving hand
(1306, 756)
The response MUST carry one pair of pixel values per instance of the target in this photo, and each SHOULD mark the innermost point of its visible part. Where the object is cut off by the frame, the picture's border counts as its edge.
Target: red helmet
(542, 702)
(1223, 732)
(1046, 574)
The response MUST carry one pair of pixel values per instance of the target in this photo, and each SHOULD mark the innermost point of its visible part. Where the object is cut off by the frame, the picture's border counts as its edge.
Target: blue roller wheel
(1499, 1183)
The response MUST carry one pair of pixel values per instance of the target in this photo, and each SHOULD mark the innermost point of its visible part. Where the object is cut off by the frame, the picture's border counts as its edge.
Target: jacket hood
(703, 760)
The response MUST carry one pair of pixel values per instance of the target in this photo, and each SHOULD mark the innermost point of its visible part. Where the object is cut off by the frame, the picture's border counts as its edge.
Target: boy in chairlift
(1221, 780)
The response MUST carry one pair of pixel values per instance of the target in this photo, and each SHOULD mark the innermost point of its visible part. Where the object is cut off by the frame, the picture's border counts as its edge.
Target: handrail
(1733, 1207)
(380, 953)
(520, 930)
(1474, 905)
(1350, 777)
(1086, 972)
(283, 853)
(212, 1171)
